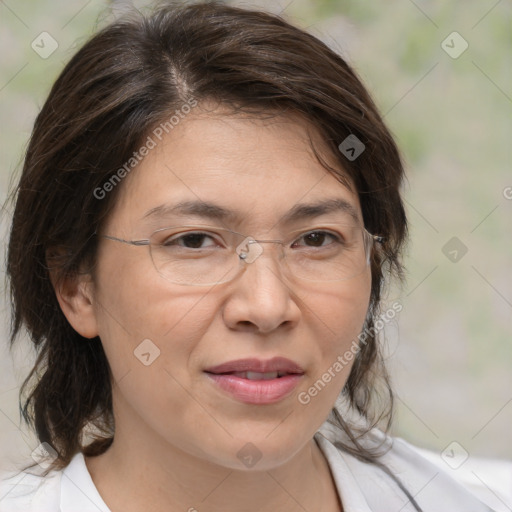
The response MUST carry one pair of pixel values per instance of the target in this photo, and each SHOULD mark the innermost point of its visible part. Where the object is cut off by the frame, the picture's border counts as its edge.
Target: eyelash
(337, 238)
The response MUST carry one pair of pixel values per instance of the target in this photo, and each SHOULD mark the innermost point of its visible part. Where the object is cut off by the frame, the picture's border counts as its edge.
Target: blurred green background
(450, 350)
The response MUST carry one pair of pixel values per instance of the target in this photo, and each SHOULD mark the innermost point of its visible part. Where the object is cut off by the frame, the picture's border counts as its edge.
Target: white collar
(78, 491)
(362, 487)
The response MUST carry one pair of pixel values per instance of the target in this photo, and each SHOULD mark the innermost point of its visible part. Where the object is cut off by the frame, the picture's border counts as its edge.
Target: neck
(162, 477)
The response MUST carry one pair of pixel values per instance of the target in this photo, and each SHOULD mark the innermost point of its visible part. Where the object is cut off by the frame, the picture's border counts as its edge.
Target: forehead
(256, 169)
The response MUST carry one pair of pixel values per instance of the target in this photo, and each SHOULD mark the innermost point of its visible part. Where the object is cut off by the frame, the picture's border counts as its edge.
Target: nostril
(246, 326)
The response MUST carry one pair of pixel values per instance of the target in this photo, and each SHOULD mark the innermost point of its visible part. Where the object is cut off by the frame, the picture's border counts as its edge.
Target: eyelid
(337, 238)
(182, 234)
(327, 227)
(218, 231)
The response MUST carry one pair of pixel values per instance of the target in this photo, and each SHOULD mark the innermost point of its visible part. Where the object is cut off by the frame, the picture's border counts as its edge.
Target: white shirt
(363, 487)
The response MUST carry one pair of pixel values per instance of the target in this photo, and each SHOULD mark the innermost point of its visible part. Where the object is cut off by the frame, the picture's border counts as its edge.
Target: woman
(208, 212)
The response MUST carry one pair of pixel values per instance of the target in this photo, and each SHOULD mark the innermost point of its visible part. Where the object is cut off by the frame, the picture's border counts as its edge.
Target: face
(175, 350)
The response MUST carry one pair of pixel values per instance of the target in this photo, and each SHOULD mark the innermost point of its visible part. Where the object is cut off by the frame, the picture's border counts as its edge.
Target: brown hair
(121, 84)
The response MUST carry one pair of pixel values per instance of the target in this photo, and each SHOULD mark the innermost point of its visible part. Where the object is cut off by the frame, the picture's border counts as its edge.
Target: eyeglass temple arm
(131, 242)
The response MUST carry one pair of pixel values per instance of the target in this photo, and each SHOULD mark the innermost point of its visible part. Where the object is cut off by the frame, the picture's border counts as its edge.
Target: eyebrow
(213, 211)
(195, 208)
(311, 210)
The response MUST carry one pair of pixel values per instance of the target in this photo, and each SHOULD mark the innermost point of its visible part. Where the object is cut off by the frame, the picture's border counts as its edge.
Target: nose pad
(249, 250)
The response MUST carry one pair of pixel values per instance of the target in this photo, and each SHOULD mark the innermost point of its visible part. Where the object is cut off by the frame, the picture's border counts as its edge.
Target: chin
(257, 452)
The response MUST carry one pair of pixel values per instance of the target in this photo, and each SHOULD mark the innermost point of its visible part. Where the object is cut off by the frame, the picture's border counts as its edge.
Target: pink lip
(276, 364)
(258, 392)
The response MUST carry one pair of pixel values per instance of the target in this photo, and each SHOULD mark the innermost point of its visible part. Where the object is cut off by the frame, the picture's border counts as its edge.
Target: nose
(260, 299)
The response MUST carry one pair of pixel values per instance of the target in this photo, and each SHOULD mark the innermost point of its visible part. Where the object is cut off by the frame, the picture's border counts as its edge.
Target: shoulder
(29, 490)
(425, 474)
(487, 478)
(68, 490)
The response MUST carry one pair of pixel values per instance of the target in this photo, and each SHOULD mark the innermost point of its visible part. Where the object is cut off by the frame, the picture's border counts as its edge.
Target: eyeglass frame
(242, 256)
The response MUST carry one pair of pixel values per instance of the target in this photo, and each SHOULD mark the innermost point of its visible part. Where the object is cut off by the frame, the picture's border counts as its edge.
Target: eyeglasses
(198, 255)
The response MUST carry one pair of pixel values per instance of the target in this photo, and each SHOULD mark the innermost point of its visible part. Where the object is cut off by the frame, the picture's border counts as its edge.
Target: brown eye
(189, 240)
(318, 239)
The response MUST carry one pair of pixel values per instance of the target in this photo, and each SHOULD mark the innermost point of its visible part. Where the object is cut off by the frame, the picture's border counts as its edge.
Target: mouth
(275, 367)
(257, 375)
(257, 382)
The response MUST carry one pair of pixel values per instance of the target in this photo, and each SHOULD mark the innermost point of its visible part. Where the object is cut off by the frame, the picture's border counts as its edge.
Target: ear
(75, 296)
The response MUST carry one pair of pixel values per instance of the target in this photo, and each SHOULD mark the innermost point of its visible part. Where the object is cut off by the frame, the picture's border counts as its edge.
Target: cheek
(337, 319)
(340, 311)
(139, 314)
(150, 332)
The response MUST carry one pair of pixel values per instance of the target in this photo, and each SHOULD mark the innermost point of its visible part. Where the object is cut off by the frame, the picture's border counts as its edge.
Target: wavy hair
(123, 82)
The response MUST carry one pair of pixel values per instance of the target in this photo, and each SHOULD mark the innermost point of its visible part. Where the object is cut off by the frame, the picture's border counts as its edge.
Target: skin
(177, 435)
